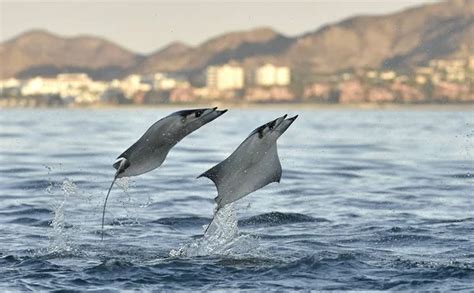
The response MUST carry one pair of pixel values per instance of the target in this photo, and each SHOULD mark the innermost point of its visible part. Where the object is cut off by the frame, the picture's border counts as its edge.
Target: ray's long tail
(122, 165)
(105, 204)
(212, 220)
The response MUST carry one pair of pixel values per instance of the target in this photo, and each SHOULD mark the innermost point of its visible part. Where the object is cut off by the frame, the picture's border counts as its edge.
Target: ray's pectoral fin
(216, 174)
(267, 169)
(273, 164)
(234, 181)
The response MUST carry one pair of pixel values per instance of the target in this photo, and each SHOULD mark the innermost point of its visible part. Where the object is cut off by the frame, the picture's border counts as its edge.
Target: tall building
(74, 78)
(131, 85)
(166, 81)
(271, 75)
(225, 77)
(41, 86)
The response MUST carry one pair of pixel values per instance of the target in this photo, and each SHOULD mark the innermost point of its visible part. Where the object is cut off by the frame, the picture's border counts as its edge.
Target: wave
(124, 222)
(18, 170)
(33, 222)
(279, 218)
(184, 222)
(354, 147)
(447, 221)
(32, 184)
(435, 270)
(400, 238)
(110, 265)
(26, 211)
(267, 219)
(338, 174)
(467, 175)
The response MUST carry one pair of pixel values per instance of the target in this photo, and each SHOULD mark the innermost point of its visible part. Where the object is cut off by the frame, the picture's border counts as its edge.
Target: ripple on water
(183, 222)
(467, 175)
(383, 205)
(25, 209)
(278, 218)
(27, 221)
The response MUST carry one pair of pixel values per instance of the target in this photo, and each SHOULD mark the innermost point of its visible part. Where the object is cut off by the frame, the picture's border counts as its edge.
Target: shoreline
(308, 106)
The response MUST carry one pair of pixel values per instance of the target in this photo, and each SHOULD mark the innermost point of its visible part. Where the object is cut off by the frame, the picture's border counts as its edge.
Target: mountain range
(399, 40)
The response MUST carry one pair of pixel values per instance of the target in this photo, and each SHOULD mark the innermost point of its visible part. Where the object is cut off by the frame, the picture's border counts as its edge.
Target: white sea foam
(222, 238)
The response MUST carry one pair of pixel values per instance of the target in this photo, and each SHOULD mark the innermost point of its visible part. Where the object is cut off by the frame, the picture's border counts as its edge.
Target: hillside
(235, 45)
(400, 40)
(407, 38)
(41, 52)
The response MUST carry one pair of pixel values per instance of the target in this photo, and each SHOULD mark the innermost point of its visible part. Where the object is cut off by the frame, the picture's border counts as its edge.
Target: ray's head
(272, 130)
(195, 118)
(182, 123)
(267, 134)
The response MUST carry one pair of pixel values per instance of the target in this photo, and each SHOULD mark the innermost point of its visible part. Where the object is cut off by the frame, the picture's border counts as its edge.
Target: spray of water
(130, 204)
(59, 238)
(221, 238)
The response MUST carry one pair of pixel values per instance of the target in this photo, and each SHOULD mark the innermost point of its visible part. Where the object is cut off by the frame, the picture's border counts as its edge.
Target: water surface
(369, 200)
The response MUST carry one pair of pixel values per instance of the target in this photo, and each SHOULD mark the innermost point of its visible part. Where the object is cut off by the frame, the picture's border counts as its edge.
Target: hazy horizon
(144, 27)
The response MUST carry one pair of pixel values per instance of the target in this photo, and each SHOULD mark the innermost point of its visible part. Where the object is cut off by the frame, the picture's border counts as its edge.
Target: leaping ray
(253, 165)
(150, 151)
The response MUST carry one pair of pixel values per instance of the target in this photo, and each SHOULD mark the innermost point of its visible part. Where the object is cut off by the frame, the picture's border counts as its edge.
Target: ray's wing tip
(221, 112)
(292, 118)
(205, 174)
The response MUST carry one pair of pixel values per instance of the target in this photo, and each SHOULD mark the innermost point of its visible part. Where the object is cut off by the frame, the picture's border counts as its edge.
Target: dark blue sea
(368, 200)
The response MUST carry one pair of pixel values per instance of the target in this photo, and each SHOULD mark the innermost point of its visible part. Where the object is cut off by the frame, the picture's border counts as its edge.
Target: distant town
(441, 81)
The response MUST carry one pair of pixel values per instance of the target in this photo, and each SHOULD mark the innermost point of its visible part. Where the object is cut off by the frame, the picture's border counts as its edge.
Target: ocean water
(369, 200)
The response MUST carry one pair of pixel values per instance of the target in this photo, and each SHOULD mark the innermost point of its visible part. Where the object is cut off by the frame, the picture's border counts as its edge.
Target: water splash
(59, 238)
(130, 203)
(124, 183)
(222, 238)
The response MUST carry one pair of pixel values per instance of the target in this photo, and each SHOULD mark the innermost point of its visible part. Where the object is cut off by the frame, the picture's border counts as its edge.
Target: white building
(164, 81)
(388, 75)
(9, 83)
(131, 85)
(80, 86)
(225, 77)
(271, 75)
(68, 85)
(74, 79)
(470, 62)
(41, 86)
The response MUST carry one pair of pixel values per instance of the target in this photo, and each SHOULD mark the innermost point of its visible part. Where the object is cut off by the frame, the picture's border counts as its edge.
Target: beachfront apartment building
(167, 81)
(76, 85)
(225, 77)
(41, 86)
(131, 85)
(271, 75)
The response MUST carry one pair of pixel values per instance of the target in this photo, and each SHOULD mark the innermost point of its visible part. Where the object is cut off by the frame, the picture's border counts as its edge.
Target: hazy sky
(145, 26)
